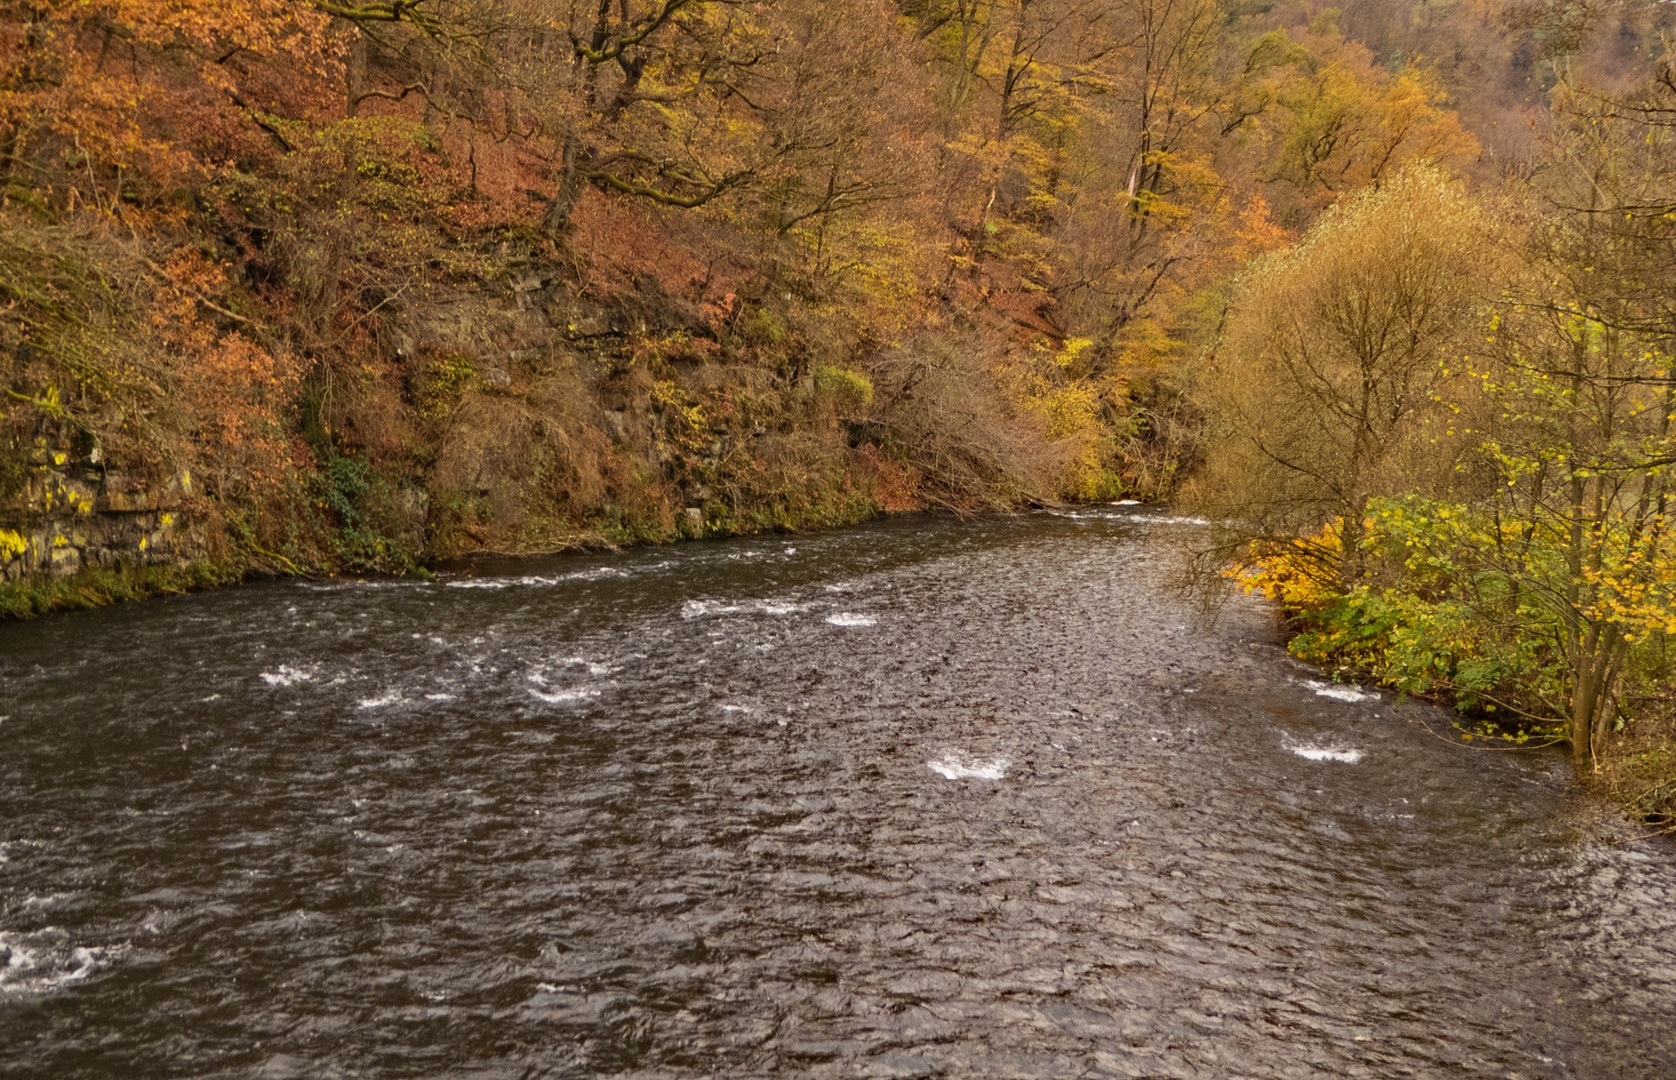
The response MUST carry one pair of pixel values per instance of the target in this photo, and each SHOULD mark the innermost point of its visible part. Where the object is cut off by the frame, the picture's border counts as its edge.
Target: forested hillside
(300, 286)
(403, 280)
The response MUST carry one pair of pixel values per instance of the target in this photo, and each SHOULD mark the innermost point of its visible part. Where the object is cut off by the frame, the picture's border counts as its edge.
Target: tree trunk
(1584, 696)
(572, 175)
(1352, 532)
(355, 69)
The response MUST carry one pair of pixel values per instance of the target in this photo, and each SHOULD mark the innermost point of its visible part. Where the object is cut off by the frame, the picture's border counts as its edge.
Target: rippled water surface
(919, 798)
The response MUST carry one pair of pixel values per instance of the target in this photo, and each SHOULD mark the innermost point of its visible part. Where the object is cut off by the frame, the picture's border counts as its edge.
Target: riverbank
(162, 427)
(95, 587)
(1373, 640)
(98, 586)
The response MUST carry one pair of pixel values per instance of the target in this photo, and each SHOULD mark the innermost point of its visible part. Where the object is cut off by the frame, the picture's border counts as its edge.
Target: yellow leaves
(12, 544)
(47, 401)
(1296, 573)
(981, 148)
(685, 420)
(1349, 123)
(1043, 384)
(851, 391)
(1069, 409)
(1073, 348)
(1634, 587)
(874, 267)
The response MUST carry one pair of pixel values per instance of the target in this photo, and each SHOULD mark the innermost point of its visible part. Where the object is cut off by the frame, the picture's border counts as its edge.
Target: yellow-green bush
(849, 390)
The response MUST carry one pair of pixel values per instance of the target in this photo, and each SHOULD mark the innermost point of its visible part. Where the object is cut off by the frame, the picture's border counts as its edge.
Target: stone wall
(73, 513)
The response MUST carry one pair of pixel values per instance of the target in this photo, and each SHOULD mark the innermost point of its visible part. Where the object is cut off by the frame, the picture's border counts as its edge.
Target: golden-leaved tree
(1326, 390)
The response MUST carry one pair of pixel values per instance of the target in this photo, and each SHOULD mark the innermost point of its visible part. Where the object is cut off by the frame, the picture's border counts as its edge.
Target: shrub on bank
(1447, 613)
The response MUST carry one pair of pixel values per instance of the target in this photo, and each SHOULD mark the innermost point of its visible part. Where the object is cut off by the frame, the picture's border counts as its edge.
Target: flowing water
(917, 798)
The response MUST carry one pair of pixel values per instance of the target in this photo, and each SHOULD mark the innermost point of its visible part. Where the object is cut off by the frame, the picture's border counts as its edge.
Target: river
(917, 798)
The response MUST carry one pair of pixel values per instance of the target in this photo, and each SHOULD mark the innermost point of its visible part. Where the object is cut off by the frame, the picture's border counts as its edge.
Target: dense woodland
(1388, 290)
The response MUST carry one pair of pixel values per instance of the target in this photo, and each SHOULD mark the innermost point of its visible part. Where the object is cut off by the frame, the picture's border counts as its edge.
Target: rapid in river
(918, 798)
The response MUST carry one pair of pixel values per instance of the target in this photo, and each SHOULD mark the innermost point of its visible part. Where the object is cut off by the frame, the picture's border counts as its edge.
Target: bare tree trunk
(356, 71)
(1579, 641)
(1352, 532)
(572, 176)
(1584, 701)
(9, 145)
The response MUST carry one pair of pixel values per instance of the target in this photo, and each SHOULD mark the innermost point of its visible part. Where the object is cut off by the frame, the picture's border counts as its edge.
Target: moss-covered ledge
(96, 586)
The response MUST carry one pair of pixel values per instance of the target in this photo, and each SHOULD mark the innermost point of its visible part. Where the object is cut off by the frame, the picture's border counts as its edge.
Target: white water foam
(389, 697)
(286, 676)
(1322, 753)
(564, 697)
(45, 960)
(43, 903)
(962, 767)
(344, 585)
(1340, 692)
(7, 845)
(598, 573)
(501, 583)
(584, 662)
(850, 618)
(697, 609)
(1131, 519)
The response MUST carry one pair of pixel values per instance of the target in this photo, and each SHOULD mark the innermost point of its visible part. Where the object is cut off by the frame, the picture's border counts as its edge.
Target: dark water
(913, 799)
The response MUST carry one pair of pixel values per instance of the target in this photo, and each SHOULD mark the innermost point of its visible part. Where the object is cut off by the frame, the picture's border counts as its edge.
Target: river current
(918, 798)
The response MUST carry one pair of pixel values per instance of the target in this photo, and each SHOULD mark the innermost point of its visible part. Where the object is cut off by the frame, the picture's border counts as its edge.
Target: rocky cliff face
(516, 414)
(212, 416)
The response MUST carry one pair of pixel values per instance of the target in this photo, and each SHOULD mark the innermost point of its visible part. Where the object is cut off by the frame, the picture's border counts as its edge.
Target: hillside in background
(309, 286)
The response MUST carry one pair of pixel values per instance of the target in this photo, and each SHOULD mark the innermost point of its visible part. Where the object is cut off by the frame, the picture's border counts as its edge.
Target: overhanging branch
(633, 35)
(389, 11)
(666, 198)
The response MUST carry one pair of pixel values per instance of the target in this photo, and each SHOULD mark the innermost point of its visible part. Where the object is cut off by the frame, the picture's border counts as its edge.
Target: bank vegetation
(1441, 432)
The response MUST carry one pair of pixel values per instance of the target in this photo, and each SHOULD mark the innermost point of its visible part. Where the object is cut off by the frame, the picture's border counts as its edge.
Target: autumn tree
(1344, 124)
(1324, 390)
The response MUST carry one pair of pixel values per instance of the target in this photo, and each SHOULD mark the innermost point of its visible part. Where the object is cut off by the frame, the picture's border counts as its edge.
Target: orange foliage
(110, 110)
(235, 389)
(1257, 234)
(1009, 209)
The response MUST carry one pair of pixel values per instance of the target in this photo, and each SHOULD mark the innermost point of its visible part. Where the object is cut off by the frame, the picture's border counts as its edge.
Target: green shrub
(849, 390)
